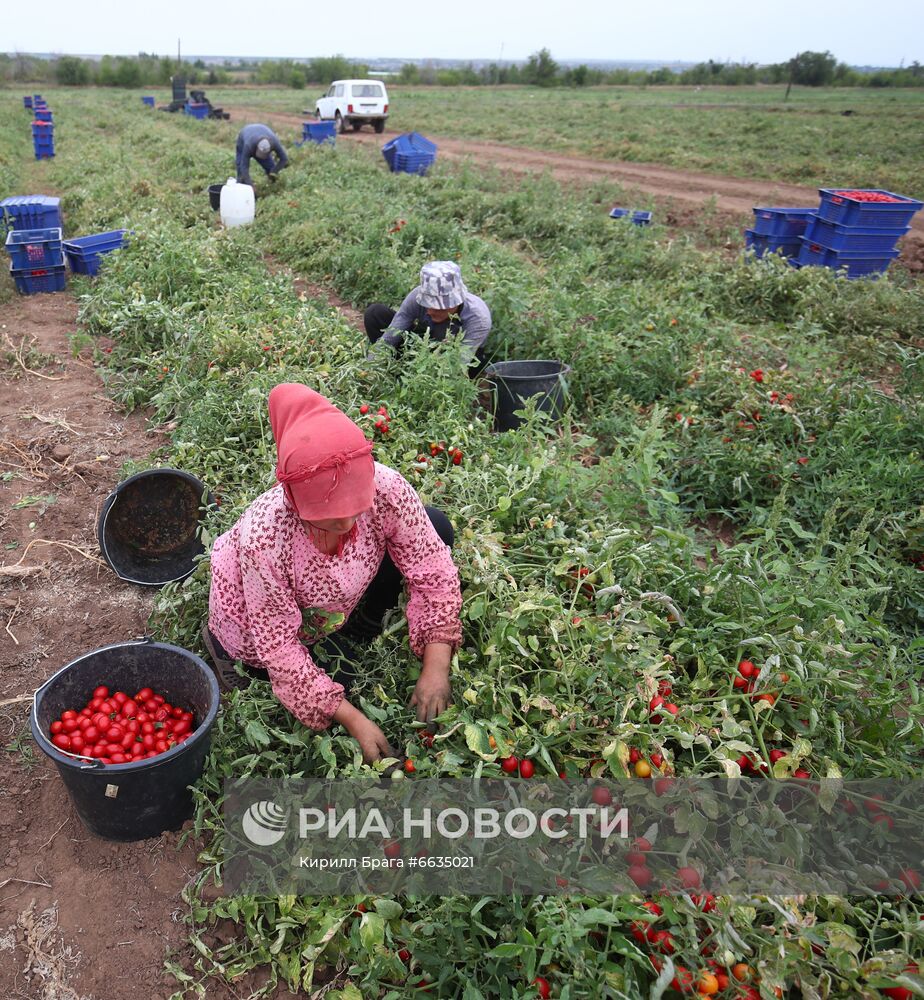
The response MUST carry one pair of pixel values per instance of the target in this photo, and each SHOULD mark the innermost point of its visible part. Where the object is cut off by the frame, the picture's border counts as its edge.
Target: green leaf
(372, 931)
(389, 909)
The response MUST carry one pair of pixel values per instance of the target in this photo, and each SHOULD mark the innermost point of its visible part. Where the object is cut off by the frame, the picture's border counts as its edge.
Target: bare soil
(80, 918)
(681, 194)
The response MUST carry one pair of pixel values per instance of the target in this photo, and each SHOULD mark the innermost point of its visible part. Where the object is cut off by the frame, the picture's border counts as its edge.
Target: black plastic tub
(514, 382)
(148, 528)
(146, 797)
(215, 195)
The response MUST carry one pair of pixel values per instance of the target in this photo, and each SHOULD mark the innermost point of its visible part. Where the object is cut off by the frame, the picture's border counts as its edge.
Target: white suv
(356, 103)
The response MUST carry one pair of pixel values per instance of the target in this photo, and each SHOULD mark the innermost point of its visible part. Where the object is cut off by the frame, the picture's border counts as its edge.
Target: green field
(742, 131)
(813, 470)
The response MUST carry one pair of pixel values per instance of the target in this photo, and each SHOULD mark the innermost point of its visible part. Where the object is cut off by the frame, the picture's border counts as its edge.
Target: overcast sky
(683, 30)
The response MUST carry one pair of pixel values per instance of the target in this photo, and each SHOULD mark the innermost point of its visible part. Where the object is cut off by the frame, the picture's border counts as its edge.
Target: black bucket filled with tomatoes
(128, 727)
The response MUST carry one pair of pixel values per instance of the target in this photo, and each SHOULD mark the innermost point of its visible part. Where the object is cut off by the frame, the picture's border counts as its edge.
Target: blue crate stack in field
(34, 243)
(410, 153)
(196, 109)
(855, 231)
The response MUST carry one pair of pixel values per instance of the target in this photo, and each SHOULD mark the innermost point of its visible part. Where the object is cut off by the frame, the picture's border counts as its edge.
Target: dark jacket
(247, 140)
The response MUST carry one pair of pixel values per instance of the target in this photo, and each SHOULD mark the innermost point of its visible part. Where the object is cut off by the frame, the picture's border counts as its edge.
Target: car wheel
(341, 122)
(356, 126)
(379, 126)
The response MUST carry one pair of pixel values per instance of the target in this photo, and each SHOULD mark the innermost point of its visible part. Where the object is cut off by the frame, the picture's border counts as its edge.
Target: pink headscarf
(323, 460)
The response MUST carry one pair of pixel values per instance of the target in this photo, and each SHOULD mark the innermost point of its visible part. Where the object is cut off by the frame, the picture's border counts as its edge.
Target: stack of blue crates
(27, 101)
(778, 230)
(856, 235)
(34, 242)
(43, 139)
(410, 153)
(36, 260)
(196, 109)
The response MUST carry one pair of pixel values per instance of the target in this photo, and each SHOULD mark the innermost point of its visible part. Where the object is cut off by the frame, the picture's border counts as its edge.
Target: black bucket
(148, 529)
(215, 195)
(142, 799)
(516, 381)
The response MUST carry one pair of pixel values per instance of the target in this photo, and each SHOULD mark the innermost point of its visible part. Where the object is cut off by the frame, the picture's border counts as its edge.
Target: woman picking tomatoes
(336, 532)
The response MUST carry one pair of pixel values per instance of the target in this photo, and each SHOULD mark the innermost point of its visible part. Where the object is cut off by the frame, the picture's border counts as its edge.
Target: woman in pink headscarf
(338, 529)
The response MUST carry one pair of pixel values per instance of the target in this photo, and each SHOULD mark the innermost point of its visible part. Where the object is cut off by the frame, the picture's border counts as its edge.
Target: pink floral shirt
(266, 571)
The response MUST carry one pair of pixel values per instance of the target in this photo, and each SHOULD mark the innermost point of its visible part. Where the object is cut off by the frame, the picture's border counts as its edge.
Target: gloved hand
(273, 177)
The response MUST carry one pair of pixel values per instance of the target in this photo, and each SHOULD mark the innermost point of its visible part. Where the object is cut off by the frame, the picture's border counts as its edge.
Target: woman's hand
(367, 734)
(432, 693)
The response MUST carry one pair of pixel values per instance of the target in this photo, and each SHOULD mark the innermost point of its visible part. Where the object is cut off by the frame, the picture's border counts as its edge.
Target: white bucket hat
(441, 285)
(263, 148)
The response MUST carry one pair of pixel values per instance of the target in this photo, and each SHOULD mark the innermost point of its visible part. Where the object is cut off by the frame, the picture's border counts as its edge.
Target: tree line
(807, 69)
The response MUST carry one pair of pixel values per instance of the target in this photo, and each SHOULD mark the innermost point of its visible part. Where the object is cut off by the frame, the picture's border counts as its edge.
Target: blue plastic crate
(789, 223)
(32, 211)
(35, 247)
(43, 115)
(857, 263)
(409, 153)
(85, 253)
(319, 132)
(762, 245)
(27, 102)
(31, 281)
(639, 218)
(42, 128)
(867, 238)
(838, 207)
(197, 110)
(45, 153)
(148, 102)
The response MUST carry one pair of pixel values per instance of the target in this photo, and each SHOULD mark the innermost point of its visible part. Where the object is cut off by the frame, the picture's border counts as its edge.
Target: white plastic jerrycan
(236, 204)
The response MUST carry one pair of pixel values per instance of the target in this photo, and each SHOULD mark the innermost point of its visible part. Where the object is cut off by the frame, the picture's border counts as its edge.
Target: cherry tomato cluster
(869, 196)
(512, 765)
(757, 374)
(439, 447)
(116, 729)
(712, 980)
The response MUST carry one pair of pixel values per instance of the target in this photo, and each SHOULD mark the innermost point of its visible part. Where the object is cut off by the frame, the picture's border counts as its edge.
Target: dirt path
(731, 194)
(76, 913)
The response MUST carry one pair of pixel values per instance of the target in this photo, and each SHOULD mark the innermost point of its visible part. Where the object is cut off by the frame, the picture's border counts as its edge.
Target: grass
(820, 137)
(669, 425)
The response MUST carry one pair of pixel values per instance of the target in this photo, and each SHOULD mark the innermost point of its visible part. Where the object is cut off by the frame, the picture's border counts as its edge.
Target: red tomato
(127, 740)
(77, 743)
(115, 732)
(392, 849)
(161, 714)
(69, 714)
(130, 708)
(91, 734)
(634, 756)
(601, 796)
(107, 707)
(120, 697)
(161, 746)
(527, 768)
(133, 726)
(747, 669)
(542, 987)
(86, 712)
(150, 705)
(101, 692)
(112, 748)
(689, 878)
(137, 751)
(95, 704)
(159, 698)
(188, 716)
(143, 694)
(147, 727)
(61, 741)
(56, 727)
(147, 741)
(143, 717)
(177, 712)
(118, 758)
(508, 764)
(902, 992)
(84, 723)
(69, 725)
(640, 875)
(99, 750)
